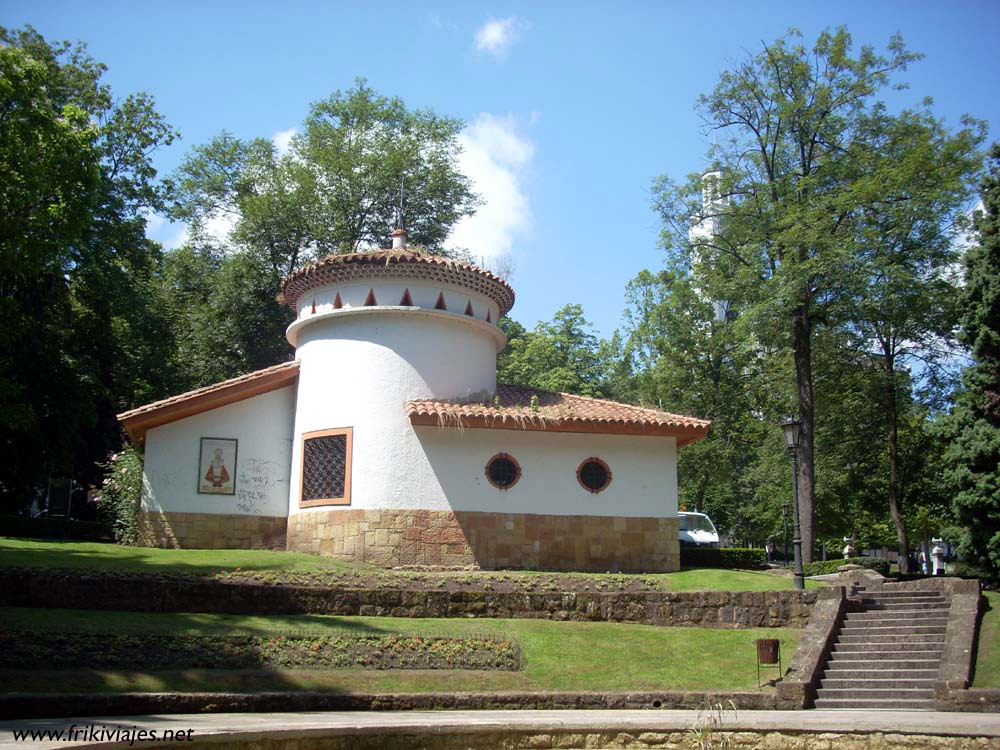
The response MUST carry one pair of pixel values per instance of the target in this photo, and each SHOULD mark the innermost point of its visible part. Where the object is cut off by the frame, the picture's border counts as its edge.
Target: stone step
(893, 704)
(887, 606)
(876, 683)
(895, 693)
(880, 664)
(883, 594)
(835, 673)
(904, 617)
(888, 651)
(870, 637)
(879, 628)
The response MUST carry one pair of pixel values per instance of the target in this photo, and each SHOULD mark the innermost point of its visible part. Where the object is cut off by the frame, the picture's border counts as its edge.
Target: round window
(503, 471)
(593, 475)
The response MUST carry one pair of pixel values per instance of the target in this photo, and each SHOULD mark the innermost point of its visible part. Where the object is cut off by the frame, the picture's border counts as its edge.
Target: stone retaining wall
(489, 540)
(211, 531)
(45, 705)
(714, 609)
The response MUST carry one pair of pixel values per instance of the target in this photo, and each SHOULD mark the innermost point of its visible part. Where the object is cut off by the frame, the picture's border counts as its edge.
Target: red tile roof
(556, 412)
(404, 263)
(137, 421)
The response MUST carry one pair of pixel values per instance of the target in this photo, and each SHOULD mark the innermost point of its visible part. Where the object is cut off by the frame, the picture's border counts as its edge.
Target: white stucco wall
(643, 469)
(263, 426)
(389, 292)
(359, 370)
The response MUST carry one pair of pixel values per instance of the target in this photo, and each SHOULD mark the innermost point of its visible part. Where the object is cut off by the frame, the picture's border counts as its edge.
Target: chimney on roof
(398, 239)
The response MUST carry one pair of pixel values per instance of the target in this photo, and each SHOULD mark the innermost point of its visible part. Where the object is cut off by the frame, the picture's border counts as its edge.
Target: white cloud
(168, 233)
(283, 140)
(495, 157)
(497, 34)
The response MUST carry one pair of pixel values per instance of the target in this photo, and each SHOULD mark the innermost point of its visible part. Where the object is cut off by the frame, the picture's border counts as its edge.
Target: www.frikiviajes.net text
(104, 733)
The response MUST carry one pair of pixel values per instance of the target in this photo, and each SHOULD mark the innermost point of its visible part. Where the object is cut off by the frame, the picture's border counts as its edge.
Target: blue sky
(572, 109)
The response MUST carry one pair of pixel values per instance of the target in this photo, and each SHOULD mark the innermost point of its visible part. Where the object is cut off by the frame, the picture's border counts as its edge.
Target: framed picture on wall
(217, 468)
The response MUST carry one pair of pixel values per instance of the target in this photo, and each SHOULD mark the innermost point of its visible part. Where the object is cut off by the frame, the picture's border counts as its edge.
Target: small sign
(217, 469)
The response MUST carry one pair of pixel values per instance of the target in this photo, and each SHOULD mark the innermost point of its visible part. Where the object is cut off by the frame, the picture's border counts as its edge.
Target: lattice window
(326, 467)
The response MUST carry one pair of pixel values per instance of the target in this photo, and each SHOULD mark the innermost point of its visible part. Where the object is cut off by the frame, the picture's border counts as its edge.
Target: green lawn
(294, 567)
(988, 656)
(558, 656)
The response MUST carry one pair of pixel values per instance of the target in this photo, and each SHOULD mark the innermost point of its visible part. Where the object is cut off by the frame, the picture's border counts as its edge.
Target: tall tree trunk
(893, 434)
(802, 353)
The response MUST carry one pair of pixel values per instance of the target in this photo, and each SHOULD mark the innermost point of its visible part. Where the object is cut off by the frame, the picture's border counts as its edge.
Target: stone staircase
(888, 654)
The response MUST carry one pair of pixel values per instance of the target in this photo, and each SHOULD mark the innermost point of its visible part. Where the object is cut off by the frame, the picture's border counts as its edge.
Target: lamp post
(791, 427)
(786, 508)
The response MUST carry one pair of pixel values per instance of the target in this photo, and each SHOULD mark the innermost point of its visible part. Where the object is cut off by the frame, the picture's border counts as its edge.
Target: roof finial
(399, 234)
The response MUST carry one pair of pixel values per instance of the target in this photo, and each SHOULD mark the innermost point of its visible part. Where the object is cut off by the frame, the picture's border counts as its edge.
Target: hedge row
(825, 567)
(55, 528)
(722, 557)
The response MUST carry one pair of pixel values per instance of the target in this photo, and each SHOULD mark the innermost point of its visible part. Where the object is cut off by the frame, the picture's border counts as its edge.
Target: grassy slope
(558, 656)
(988, 657)
(279, 565)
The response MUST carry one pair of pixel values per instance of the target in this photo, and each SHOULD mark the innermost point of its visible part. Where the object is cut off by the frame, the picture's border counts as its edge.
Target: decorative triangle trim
(468, 310)
(406, 300)
(337, 304)
(440, 304)
(370, 300)
(313, 311)
(488, 320)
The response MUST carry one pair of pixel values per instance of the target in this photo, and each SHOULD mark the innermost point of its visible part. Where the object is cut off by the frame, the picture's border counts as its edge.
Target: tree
(973, 456)
(75, 181)
(562, 355)
(339, 187)
(793, 118)
(336, 190)
(904, 303)
(688, 360)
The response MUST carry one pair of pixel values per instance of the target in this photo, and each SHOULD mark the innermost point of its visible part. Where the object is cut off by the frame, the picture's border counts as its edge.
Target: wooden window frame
(346, 499)
(517, 471)
(607, 470)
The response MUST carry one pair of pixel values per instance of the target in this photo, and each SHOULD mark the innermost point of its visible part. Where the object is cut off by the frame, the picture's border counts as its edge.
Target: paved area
(249, 725)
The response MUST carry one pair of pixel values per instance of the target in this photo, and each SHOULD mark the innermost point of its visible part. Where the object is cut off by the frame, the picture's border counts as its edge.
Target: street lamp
(786, 508)
(792, 427)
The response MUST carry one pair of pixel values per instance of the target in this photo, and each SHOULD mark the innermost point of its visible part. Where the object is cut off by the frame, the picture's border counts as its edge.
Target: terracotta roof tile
(390, 263)
(559, 412)
(137, 421)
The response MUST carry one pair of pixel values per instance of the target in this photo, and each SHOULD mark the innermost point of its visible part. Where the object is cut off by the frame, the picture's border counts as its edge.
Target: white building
(388, 440)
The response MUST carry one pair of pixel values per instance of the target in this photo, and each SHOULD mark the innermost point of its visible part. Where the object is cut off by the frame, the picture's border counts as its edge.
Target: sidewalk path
(247, 726)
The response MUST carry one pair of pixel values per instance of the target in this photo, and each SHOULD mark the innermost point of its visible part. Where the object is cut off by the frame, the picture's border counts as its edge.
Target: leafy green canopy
(804, 161)
(338, 188)
(561, 355)
(973, 457)
(79, 336)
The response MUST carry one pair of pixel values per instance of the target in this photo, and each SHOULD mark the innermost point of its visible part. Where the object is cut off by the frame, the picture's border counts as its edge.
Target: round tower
(372, 331)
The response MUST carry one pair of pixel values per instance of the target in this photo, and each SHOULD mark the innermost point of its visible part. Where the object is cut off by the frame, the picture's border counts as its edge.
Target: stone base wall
(489, 540)
(211, 531)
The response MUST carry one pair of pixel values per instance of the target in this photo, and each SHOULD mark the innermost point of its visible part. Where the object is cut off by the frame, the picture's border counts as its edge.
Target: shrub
(825, 567)
(121, 494)
(722, 557)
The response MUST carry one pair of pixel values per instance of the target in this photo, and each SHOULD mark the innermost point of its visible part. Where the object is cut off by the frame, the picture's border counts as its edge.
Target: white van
(697, 530)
